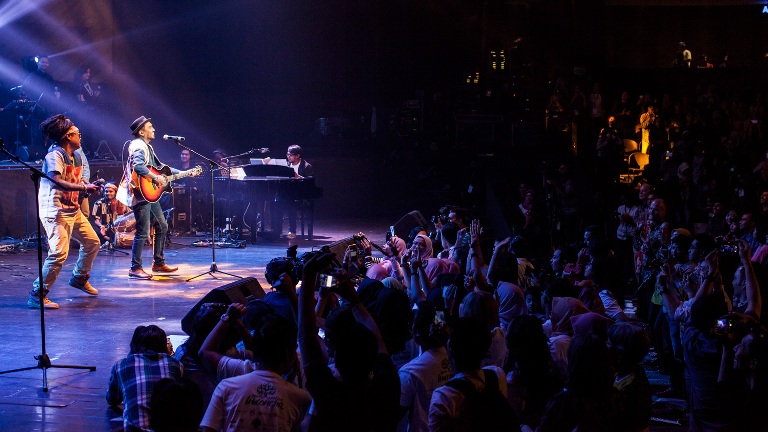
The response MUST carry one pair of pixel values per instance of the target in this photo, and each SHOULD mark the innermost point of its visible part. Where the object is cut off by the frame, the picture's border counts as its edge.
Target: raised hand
(500, 245)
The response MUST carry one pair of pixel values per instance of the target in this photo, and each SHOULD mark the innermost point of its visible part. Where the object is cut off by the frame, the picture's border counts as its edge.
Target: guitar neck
(180, 175)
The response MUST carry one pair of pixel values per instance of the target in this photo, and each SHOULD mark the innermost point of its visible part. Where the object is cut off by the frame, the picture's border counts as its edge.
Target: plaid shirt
(132, 380)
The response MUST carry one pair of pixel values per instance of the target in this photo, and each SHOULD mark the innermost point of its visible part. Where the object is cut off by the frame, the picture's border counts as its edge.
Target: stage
(96, 331)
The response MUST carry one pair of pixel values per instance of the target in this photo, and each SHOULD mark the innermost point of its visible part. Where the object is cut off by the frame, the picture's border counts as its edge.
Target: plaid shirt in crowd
(132, 380)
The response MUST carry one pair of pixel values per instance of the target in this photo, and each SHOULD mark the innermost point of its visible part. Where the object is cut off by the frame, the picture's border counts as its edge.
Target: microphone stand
(214, 167)
(43, 361)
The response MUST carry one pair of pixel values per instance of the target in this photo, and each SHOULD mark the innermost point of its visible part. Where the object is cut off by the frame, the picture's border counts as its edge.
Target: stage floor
(96, 331)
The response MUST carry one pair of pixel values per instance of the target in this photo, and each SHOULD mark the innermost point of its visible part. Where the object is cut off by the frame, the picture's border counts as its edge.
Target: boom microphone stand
(43, 361)
(214, 167)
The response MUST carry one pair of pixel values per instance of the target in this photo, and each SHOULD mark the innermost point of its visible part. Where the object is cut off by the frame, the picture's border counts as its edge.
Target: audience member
(133, 378)
(176, 405)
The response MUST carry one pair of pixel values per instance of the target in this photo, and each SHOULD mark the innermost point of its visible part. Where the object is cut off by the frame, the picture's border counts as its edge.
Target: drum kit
(125, 230)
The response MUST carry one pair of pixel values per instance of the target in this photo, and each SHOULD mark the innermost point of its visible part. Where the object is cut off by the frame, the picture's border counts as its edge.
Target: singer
(60, 212)
(647, 123)
(141, 157)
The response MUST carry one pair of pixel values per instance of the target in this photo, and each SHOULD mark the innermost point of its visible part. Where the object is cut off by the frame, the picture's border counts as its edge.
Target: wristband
(225, 318)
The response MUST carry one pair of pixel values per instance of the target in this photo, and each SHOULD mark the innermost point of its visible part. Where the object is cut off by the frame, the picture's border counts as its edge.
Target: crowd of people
(431, 336)
(451, 330)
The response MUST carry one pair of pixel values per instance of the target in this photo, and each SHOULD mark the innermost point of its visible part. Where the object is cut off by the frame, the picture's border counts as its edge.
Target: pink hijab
(428, 252)
(377, 271)
(437, 266)
(563, 308)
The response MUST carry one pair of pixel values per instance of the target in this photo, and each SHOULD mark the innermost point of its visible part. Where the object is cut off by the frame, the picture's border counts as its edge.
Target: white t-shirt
(52, 199)
(260, 400)
(418, 380)
(447, 401)
(558, 349)
(497, 353)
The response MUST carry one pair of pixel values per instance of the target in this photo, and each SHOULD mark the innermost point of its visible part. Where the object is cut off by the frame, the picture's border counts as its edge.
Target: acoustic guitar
(152, 191)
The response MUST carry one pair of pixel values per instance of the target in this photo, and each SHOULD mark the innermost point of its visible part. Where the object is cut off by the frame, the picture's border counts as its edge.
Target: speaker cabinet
(182, 209)
(240, 291)
(408, 222)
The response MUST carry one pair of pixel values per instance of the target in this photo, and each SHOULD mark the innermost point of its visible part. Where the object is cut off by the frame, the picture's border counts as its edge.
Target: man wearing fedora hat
(142, 155)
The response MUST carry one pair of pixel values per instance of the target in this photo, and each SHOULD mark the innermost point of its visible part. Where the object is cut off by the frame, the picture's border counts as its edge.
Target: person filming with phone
(726, 352)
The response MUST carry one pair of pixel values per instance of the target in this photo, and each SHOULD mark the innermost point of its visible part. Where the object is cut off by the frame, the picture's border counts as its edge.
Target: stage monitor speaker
(411, 220)
(240, 291)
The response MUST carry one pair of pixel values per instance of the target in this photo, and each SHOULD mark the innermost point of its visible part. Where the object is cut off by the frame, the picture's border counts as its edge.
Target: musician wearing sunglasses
(60, 213)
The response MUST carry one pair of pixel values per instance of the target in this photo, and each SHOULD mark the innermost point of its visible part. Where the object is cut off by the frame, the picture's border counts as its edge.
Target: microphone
(173, 137)
(260, 150)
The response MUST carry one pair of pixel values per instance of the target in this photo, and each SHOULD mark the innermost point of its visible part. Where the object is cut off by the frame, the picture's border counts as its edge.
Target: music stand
(214, 167)
(43, 361)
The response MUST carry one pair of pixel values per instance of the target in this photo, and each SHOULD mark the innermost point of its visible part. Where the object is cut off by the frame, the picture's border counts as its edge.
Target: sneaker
(81, 283)
(290, 236)
(34, 303)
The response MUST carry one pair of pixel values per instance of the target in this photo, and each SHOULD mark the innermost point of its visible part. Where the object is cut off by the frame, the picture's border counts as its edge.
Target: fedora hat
(138, 123)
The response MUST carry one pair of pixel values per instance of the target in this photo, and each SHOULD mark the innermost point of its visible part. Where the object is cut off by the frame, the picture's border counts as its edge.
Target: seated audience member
(563, 308)
(176, 406)
(484, 307)
(526, 270)
(366, 394)
(260, 400)
(591, 323)
(585, 403)
(564, 265)
(133, 378)
(533, 302)
(629, 345)
(377, 272)
(391, 311)
(421, 376)
(599, 273)
(529, 369)
(463, 403)
(511, 303)
(187, 353)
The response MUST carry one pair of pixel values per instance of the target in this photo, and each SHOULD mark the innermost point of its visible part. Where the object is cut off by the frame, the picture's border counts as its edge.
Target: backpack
(487, 410)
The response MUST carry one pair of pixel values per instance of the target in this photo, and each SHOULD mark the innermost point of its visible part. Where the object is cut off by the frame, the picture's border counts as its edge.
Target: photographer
(366, 395)
(715, 405)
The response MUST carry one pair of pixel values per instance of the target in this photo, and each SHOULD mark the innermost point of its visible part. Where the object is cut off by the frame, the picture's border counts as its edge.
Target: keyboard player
(302, 169)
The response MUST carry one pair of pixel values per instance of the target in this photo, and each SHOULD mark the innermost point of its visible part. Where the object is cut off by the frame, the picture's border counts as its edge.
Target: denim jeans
(147, 214)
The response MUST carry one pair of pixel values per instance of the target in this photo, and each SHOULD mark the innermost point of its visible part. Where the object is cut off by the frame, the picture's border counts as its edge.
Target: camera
(298, 261)
(353, 251)
(439, 218)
